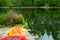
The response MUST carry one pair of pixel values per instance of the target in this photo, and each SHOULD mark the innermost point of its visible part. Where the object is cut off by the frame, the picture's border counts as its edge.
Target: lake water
(46, 37)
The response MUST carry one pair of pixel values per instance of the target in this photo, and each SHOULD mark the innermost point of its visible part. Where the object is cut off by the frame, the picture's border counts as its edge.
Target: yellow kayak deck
(16, 30)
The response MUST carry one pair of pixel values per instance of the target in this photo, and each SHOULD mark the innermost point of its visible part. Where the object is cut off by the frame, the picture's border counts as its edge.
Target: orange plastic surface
(15, 31)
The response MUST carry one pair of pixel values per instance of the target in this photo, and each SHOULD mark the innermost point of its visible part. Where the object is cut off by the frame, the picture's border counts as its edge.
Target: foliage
(38, 19)
(13, 18)
(11, 3)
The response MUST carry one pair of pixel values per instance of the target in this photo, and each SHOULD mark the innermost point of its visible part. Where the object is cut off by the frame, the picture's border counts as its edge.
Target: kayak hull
(14, 38)
(15, 33)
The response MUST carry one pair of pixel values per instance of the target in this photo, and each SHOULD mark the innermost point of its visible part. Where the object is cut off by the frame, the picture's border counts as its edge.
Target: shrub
(11, 18)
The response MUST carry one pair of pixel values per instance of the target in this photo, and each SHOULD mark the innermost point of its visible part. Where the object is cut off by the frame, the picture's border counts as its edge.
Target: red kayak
(15, 33)
(14, 38)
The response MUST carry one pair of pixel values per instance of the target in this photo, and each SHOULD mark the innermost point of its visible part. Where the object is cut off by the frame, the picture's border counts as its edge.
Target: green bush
(11, 19)
(39, 3)
(2, 19)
